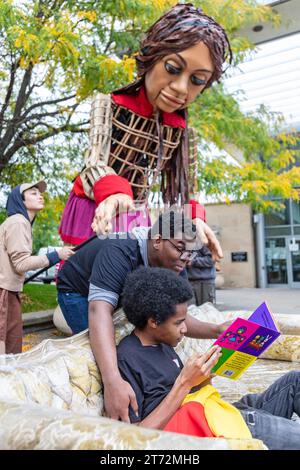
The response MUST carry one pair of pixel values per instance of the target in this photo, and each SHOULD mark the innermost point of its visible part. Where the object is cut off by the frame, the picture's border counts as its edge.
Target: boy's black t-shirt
(105, 263)
(150, 370)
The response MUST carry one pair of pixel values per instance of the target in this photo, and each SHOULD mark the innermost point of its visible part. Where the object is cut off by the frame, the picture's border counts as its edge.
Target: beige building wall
(233, 225)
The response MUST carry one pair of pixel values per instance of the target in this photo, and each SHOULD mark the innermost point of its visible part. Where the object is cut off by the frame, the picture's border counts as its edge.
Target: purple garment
(78, 215)
(75, 226)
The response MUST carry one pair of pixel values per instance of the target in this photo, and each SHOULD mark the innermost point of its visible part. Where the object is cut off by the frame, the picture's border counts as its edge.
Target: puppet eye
(172, 69)
(198, 81)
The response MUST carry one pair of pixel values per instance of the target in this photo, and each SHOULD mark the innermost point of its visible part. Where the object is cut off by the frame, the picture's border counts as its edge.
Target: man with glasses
(91, 282)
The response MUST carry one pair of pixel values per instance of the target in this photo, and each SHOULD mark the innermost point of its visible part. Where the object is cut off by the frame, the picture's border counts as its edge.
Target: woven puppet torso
(125, 143)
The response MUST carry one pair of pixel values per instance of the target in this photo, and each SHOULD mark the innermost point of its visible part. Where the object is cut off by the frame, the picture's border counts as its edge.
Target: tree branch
(24, 142)
(14, 67)
(21, 101)
(47, 103)
(110, 35)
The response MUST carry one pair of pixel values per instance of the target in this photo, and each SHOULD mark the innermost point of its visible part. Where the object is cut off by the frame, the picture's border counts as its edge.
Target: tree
(268, 169)
(55, 53)
(267, 172)
(45, 231)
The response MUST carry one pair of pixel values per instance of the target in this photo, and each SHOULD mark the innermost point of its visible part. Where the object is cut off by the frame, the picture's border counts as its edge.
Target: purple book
(244, 341)
(263, 317)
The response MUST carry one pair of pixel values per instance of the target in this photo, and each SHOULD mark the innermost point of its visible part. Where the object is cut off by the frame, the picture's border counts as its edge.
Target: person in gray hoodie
(201, 271)
(23, 204)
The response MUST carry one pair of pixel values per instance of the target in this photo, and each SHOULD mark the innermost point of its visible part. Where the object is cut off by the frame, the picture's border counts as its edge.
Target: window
(281, 217)
(276, 261)
(295, 212)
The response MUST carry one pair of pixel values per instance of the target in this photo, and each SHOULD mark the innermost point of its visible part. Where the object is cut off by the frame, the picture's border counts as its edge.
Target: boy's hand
(198, 367)
(207, 381)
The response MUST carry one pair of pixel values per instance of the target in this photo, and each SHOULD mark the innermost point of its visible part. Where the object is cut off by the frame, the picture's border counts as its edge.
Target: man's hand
(207, 237)
(108, 209)
(223, 326)
(117, 398)
(198, 368)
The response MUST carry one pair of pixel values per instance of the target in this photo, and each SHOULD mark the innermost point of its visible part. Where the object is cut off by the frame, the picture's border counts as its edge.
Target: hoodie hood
(141, 235)
(15, 204)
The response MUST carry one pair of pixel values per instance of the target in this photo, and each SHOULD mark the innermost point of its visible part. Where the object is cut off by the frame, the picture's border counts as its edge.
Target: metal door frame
(291, 283)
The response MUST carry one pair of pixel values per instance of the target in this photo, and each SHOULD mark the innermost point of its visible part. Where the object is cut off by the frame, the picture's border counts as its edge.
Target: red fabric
(72, 240)
(109, 185)
(140, 105)
(198, 211)
(190, 419)
(78, 187)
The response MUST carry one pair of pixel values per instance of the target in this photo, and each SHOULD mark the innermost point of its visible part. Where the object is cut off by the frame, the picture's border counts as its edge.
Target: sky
(271, 77)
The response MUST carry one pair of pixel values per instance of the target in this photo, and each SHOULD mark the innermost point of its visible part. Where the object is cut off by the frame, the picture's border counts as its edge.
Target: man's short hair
(173, 224)
(153, 293)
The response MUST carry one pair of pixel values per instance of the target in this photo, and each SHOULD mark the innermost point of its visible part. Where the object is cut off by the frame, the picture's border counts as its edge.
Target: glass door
(294, 261)
(276, 261)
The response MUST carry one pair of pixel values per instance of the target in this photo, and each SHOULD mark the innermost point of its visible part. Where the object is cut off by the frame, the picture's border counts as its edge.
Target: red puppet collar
(139, 104)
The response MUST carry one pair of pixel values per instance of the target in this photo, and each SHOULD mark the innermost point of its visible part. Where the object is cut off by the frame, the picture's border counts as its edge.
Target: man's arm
(196, 372)
(204, 330)
(118, 394)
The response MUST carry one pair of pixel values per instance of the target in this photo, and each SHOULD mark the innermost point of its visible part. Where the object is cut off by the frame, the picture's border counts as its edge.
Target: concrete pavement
(278, 300)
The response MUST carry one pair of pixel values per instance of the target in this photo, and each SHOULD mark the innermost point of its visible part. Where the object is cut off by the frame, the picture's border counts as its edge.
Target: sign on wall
(239, 257)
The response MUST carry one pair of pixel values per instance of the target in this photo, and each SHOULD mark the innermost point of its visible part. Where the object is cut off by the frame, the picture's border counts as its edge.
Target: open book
(244, 341)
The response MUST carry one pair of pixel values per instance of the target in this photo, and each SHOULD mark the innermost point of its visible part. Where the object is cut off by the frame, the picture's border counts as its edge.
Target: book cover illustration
(244, 341)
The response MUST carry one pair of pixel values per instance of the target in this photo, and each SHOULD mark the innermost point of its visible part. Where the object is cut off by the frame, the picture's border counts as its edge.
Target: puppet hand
(108, 209)
(208, 238)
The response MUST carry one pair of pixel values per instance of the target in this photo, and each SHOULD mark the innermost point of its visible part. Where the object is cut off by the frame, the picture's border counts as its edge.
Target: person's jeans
(268, 414)
(75, 309)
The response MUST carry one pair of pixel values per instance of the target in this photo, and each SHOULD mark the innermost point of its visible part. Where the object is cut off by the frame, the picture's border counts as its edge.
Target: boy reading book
(179, 398)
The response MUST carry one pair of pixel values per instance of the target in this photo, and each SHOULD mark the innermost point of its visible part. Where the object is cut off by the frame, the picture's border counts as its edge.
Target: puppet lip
(172, 98)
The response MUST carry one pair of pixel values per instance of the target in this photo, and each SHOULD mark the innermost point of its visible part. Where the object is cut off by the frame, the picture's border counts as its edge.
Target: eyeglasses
(185, 255)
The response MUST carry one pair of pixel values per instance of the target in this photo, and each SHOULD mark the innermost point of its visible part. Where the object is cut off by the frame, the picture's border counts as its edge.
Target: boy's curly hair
(153, 293)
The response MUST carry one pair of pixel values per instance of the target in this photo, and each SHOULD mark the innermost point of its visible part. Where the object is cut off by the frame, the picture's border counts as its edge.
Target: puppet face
(176, 80)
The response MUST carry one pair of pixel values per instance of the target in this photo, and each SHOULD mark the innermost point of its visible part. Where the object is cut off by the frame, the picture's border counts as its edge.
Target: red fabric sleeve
(198, 211)
(109, 185)
(78, 188)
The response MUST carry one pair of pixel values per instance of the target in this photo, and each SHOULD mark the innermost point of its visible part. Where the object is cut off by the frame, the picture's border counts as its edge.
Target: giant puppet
(139, 134)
